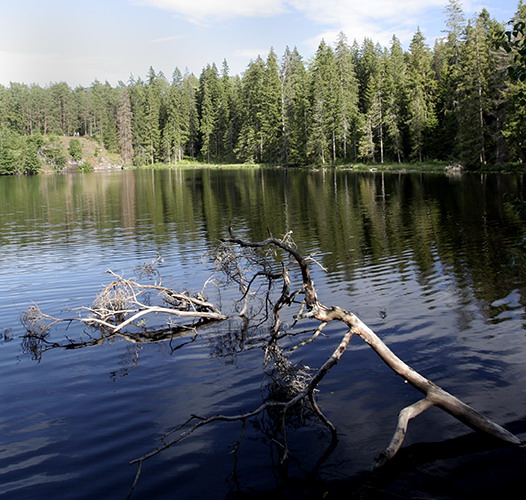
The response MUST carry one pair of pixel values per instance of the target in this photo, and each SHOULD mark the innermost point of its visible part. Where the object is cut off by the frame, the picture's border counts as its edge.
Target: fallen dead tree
(269, 262)
(264, 273)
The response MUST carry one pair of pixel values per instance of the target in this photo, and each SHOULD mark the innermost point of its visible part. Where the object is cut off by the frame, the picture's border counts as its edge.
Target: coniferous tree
(271, 112)
(190, 114)
(228, 127)
(207, 123)
(137, 89)
(321, 141)
(62, 109)
(447, 65)
(208, 104)
(294, 94)
(152, 115)
(250, 143)
(395, 82)
(515, 107)
(172, 132)
(371, 76)
(477, 104)
(347, 94)
(124, 126)
(421, 118)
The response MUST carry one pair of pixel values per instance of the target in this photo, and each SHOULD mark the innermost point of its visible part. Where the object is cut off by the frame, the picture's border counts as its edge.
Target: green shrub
(75, 149)
(85, 167)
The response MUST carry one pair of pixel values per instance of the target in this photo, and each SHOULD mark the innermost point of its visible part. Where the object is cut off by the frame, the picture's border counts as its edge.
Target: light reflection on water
(435, 266)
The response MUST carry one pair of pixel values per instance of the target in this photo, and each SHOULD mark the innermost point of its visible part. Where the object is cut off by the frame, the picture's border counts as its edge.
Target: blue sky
(78, 41)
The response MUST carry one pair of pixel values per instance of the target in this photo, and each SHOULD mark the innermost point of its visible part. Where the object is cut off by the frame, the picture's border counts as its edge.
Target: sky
(80, 41)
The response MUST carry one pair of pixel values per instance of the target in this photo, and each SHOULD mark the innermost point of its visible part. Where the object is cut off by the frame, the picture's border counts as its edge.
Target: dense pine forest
(352, 102)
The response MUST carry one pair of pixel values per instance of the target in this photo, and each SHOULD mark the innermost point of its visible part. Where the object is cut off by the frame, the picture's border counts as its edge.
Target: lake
(435, 264)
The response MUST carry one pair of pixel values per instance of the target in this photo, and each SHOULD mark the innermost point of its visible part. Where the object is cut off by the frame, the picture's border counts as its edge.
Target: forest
(463, 100)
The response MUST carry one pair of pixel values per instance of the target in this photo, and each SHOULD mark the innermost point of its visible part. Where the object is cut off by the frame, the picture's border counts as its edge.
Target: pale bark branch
(434, 394)
(404, 416)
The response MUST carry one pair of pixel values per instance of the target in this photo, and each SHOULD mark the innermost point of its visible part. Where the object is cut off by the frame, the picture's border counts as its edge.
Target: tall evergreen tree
(152, 115)
(190, 114)
(271, 112)
(250, 143)
(478, 97)
(448, 72)
(321, 142)
(124, 126)
(515, 108)
(63, 108)
(209, 98)
(294, 94)
(347, 94)
(420, 92)
(395, 82)
(371, 76)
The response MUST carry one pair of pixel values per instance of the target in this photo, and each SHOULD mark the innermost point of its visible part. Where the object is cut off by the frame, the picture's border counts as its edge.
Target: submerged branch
(120, 310)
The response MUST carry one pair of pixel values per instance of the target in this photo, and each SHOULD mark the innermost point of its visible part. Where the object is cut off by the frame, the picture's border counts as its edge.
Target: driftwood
(121, 308)
(120, 311)
(261, 259)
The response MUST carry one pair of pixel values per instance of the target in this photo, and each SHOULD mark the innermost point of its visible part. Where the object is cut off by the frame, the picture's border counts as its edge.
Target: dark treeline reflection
(471, 226)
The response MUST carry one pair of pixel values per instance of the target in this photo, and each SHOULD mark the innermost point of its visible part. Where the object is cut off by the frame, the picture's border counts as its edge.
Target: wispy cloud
(203, 11)
(376, 19)
(167, 39)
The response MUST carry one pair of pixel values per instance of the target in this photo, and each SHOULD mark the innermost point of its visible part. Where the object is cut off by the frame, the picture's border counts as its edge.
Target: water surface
(434, 264)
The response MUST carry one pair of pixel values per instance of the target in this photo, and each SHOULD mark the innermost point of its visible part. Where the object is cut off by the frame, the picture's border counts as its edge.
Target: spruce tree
(395, 83)
(347, 94)
(481, 89)
(250, 143)
(323, 112)
(271, 112)
(448, 72)
(152, 115)
(124, 126)
(294, 95)
(515, 107)
(421, 118)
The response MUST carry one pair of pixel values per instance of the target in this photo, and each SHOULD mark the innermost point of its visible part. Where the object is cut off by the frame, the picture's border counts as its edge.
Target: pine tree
(515, 108)
(228, 116)
(294, 94)
(394, 99)
(152, 115)
(323, 112)
(480, 89)
(250, 142)
(208, 104)
(271, 112)
(420, 88)
(207, 123)
(62, 108)
(190, 114)
(124, 126)
(347, 94)
(137, 90)
(448, 72)
(371, 76)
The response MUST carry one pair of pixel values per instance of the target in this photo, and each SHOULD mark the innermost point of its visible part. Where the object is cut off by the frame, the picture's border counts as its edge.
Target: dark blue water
(434, 264)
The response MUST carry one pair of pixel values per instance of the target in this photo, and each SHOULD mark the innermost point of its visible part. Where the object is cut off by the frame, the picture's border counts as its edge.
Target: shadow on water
(470, 466)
